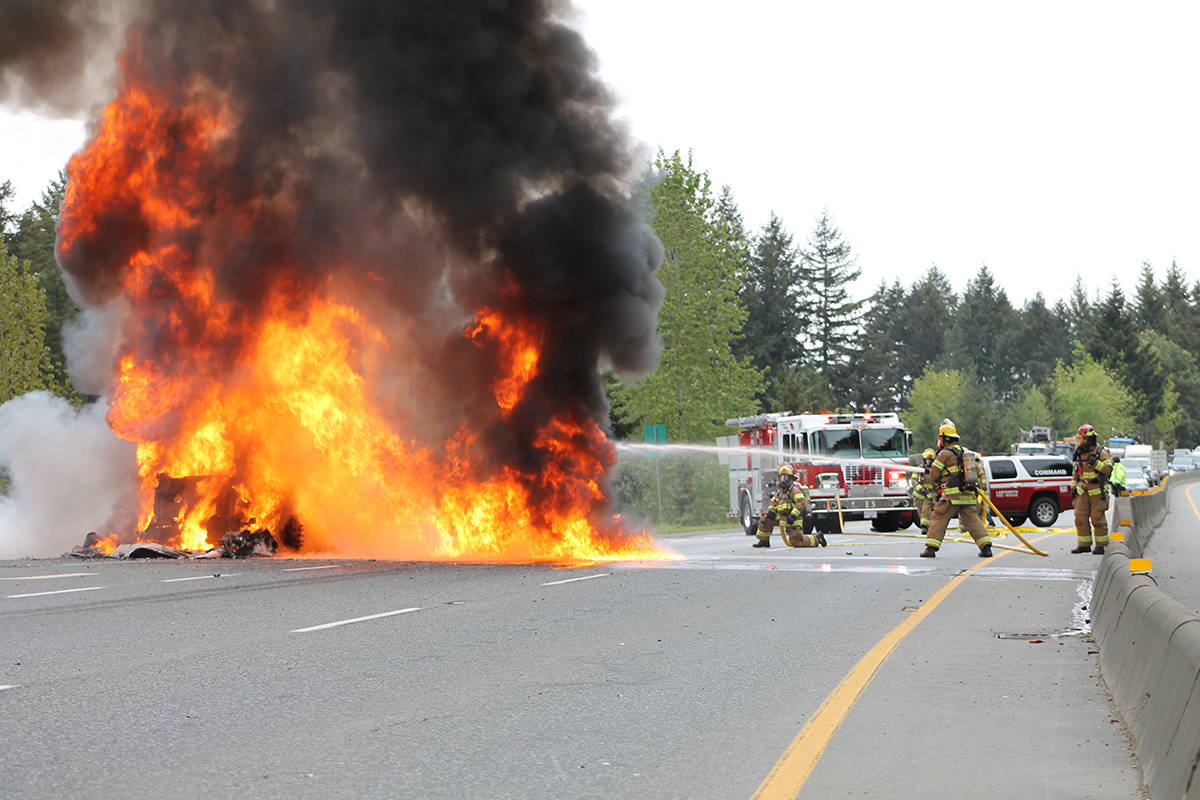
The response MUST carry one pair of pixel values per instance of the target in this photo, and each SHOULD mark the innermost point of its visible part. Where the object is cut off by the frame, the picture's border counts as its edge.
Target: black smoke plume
(445, 156)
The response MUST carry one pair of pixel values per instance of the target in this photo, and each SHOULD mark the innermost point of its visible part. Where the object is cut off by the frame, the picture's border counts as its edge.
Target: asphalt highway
(689, 678)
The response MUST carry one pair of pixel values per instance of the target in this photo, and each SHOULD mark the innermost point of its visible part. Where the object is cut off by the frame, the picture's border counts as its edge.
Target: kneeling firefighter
(787, 508)
(956, 469)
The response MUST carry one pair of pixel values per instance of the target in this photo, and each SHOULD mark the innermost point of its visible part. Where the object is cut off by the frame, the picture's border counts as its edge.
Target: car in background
(1138, 467)
(1136, 481)
(1034, 488)
(1181, 462)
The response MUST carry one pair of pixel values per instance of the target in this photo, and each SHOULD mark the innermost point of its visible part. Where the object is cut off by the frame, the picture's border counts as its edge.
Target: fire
(257, 407)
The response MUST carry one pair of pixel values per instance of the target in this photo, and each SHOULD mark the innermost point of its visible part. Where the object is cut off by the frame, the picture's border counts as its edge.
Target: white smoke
(70, 475)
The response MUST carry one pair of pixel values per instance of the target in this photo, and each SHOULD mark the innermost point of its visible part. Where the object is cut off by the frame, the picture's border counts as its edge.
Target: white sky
(1044, 139)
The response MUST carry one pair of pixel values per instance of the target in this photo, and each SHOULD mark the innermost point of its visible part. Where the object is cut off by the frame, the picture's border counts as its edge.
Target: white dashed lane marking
(58, 591)
(49, 577)
(201, 577)
(302, 569)
(572, 580)
(356, 619)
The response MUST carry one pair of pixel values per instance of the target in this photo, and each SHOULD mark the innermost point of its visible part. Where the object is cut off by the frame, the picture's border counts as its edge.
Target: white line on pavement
(59, 591)
(572, 580)
(2, 688)
(48, 577)
(356, 619)
(301, 569)
(200, 577)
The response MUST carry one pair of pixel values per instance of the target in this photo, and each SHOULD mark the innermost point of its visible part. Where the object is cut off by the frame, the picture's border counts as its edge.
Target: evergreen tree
(1113, 330)
(1148, 309)
(1114, 343)
(24, 357)
(981, 338)
(732, 239)
(1079, 309)
(932, 304)
(1177, 310)
(829, 268)
(875, 378)
(699, 383)
(1039, 340)
(771, 295)
(802, 389)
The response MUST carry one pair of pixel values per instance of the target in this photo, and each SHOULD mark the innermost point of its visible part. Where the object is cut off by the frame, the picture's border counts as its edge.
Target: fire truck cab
(842, 459)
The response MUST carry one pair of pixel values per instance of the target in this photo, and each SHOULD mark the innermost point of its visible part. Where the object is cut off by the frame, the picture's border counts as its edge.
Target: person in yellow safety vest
(956, 470)
(1117, 479)
(787, 508)
(924, 491)
(1093, 465)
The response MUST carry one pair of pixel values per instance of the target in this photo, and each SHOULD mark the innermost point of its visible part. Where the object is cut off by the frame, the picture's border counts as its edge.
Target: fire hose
(983, 496)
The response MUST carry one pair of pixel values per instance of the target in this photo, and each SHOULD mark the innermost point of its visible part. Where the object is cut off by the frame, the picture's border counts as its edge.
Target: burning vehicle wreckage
(240, 541)
(357, 265)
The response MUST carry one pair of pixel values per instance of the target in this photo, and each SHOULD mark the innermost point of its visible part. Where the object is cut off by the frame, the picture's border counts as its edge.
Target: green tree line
(758, 322)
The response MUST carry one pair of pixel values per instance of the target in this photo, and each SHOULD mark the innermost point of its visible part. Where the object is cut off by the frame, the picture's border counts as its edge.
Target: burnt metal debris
(242, 544)
(235, 544)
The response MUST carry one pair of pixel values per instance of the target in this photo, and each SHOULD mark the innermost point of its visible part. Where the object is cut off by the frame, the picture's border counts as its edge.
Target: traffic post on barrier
(1139, 565)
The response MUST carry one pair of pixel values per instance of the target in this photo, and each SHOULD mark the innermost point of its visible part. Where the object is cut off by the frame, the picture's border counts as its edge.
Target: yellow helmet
(948, 429)
(786, 469)
(928, 453)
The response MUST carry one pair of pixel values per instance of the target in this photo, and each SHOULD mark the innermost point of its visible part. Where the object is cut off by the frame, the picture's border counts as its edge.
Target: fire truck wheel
(886, 522)
(826, 523)
(749, 521)
(1043, 511)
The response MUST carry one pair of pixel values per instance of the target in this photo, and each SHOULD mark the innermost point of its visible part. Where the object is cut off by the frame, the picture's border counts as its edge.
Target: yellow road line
(1188, 492)
(787, 777)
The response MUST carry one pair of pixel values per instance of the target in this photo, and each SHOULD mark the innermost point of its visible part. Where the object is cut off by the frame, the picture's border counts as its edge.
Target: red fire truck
(843, 459)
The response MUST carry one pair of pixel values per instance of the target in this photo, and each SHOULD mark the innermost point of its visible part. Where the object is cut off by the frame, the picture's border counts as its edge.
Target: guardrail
(1150, 650)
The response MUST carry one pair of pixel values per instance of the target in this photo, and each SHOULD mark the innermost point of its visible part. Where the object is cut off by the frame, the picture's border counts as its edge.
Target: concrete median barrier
(1150, 651)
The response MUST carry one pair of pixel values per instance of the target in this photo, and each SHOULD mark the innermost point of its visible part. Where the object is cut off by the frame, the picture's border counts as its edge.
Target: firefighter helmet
(786, 469)
(948, 429)
(928, 453)
(1086, 430)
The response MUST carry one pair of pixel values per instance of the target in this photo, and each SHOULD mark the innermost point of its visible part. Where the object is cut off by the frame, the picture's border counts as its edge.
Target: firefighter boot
(929, 552)
(986, 551)
(763, 541)
(1098, 550)
(821, 539)
(1083, 548)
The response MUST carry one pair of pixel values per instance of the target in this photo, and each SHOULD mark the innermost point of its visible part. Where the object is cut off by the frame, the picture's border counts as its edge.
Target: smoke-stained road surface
(266, 678)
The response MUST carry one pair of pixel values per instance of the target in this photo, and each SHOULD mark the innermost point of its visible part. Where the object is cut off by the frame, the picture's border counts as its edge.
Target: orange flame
(268, 418)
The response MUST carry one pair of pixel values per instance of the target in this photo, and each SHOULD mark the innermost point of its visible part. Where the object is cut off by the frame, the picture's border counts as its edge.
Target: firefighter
(1093, 465)
(956, 471)
(787, 508)
(924, 491)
